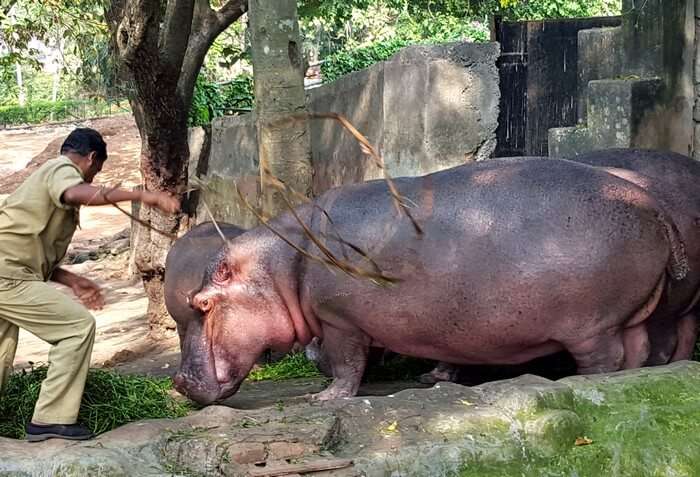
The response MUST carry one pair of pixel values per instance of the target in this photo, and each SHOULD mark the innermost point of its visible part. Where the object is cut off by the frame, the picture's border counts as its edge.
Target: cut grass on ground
(110, 400)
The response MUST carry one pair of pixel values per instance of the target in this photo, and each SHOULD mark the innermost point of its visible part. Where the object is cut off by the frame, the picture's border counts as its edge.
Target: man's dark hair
(83, 141)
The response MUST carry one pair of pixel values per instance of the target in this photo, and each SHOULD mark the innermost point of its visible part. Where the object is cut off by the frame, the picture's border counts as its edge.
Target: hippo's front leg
(346, 351)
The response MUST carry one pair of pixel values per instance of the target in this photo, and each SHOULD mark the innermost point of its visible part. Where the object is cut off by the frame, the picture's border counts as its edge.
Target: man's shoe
(74, 432)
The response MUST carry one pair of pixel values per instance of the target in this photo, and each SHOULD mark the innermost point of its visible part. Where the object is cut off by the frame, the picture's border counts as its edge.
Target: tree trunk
(161, 47)
(164, 157)
(283, 147)
(21, 93)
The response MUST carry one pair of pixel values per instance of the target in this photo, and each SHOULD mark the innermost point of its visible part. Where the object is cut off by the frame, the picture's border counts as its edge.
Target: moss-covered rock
(634, 423)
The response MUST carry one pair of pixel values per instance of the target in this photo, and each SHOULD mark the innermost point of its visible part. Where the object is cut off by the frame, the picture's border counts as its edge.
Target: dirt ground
(121, 326)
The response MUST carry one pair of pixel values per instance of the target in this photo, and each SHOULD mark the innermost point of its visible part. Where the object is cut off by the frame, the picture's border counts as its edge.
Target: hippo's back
(678, 172)
(499, 197)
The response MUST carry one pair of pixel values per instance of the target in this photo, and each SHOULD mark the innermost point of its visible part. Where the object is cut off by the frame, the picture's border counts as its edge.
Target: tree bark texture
(161, 47)
(284, 147)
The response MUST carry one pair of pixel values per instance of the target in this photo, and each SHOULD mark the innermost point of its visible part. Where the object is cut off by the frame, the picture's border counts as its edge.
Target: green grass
(292, 366)
(110, 400)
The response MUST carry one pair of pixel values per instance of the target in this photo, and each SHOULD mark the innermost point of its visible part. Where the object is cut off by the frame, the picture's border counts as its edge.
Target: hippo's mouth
(228, 389)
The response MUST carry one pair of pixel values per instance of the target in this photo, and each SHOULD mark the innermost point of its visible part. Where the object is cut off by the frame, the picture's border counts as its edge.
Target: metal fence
(60, 111)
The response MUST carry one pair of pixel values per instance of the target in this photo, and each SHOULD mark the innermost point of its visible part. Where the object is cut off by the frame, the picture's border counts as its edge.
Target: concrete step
(599, 51)
(615, 109)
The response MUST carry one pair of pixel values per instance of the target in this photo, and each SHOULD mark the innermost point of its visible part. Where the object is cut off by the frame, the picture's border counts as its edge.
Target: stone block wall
(427, 108)
(641, 82)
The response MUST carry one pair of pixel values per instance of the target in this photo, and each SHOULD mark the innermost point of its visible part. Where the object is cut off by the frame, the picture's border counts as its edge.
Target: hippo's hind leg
(636, 344)
(442, 372)
(618, 348)
(687, 336)
(346, 353)
(314, 352)
(621, 349)
(603, 353)
(663, 338)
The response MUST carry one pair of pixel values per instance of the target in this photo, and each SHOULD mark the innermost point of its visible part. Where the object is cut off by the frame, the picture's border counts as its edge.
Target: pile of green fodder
(294, 365)
(110, 400)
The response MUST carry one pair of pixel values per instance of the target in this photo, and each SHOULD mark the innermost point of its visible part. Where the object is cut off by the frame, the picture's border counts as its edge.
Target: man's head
(86, 148)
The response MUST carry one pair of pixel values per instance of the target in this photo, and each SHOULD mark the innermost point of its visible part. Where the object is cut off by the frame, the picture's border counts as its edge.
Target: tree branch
(177, 26)
(207, 24)
(134, 26)
(230, 12)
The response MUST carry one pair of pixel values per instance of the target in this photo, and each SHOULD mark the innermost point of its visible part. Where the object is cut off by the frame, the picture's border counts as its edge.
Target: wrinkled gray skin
(674, 179)
(520, 259)
(186, 263)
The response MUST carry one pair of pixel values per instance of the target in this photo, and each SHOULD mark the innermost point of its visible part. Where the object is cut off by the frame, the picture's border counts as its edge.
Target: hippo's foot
(339, 389)
(345, 351)
(442, 372)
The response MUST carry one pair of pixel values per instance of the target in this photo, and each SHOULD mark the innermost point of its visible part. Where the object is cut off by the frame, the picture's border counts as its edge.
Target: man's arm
(86, 290)
(86, 194)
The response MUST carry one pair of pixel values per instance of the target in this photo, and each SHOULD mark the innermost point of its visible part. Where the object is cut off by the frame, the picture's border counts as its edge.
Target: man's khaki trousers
(69, 327)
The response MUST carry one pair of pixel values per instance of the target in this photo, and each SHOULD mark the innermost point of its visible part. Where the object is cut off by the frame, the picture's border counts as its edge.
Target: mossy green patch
(647, 425)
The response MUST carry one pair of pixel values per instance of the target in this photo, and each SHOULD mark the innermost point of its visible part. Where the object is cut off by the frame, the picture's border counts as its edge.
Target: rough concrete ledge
(640, 422)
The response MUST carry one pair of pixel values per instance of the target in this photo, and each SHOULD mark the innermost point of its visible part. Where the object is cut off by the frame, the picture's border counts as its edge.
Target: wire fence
(60, 111)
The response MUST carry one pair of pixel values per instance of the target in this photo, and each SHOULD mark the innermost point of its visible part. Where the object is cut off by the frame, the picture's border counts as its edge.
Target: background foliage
(62, 46)
(212, 99)
(360, 43)
(43, 111)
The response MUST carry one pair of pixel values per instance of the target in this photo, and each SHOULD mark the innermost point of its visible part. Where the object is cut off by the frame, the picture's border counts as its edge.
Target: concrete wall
(428, 108)
(696, 83)
(232, 162)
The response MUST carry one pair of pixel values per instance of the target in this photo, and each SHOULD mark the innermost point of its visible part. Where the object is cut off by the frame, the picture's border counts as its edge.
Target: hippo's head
(241, 314)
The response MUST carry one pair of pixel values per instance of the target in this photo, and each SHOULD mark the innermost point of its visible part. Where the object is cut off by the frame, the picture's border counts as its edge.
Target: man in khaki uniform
(37, 223)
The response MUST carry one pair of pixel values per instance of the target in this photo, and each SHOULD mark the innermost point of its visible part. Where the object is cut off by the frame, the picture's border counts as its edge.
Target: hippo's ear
(223, 273)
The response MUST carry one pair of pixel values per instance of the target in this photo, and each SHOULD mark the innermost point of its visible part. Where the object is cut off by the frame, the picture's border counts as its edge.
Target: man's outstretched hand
(88, 194)
(89, 292)
(164, 201)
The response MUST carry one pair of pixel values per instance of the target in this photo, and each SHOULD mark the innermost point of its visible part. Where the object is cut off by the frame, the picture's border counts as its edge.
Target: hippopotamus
(186, 263)
(674, 179)
(519, 258)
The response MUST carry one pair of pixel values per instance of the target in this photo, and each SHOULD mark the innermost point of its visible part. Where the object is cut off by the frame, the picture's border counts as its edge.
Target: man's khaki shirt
(36, 227)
